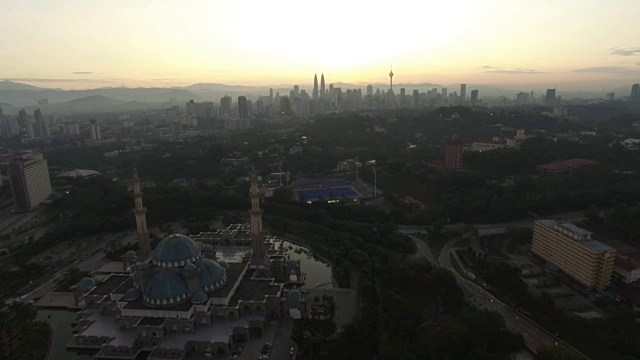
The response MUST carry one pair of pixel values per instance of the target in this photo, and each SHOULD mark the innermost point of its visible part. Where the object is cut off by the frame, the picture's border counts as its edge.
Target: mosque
(196, 296)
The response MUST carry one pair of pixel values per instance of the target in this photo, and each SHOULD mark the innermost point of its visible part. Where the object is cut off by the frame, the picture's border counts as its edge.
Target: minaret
(257, 239)
(322, 89)
(315, 87)
(391, 79)
(141, 219)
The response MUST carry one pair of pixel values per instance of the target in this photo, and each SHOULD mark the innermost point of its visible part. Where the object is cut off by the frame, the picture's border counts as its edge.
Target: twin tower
(323, 92)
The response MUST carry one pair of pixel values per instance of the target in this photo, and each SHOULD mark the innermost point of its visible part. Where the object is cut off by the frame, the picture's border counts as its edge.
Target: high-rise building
(243, 112)
(611, 96)
(225, 105)
(71, 128)
(635, 92)
(191, 107)
(575, 252)
(315, 87)
(391, 80)
(474, 97)
(30, 182)
(296, 90)
(369, 89)
(463, 92)
(171, 113)
(416, 99)
(141, 218)
(453, 154)
(37, 115)
(23, 120)
(95, 130)
(550, 97)
(322, 88)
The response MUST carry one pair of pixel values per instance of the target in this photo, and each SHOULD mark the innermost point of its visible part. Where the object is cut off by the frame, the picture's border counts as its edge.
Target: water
(317, 273)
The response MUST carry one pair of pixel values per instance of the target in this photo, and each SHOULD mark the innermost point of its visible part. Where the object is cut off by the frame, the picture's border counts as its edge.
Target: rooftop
(221, 332)
(251, 289)
(589, 242)
(110, 284)
(574, 229)
(566, 164)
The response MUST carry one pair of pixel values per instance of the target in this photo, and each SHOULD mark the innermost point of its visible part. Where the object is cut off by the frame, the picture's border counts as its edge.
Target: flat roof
(592, 244)
(566, 164)
(251, 289)
(574, 229)
(106, 326)
(219, 332)
(108, 285)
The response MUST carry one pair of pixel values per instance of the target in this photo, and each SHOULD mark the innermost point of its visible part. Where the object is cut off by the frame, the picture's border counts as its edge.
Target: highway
(534, 335)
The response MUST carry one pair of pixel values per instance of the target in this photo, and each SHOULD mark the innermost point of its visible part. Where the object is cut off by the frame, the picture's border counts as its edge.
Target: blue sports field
(326, 193)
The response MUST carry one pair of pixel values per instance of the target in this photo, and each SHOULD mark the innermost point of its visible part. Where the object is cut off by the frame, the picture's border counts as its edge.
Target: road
(423, 249)
(282, 342)
(534, 335)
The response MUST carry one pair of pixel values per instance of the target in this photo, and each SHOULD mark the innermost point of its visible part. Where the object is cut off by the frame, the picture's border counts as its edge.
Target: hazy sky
(77, 44)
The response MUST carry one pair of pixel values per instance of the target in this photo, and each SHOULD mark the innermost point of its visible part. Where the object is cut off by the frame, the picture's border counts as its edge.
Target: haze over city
(577, 45)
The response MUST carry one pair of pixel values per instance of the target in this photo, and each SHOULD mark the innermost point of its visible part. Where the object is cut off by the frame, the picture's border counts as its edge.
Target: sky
(80, 44)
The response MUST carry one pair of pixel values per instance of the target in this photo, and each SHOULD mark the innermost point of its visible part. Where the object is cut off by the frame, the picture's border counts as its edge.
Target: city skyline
(258, 44)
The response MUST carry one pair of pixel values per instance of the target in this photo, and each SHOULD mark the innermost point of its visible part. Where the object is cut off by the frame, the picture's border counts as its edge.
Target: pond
(317, 271)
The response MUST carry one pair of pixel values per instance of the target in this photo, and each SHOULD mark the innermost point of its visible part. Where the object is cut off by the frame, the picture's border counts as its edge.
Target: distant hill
(98, 104)
(10, 85)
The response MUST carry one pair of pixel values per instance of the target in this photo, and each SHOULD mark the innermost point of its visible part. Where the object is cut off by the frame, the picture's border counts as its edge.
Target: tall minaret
(141, 219)
(322, 89)
(315, 87)
(391, 79)
(257, 239)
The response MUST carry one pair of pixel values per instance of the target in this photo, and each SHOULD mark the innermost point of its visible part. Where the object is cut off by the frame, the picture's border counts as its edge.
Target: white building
(30, 183)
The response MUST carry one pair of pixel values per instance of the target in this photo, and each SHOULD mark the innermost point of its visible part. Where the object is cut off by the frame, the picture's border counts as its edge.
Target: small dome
(165, 285)
(212, 275)
(207, 248)
(199, 298)
(86, 283)
(130, 254)
(294, 295)
(132, 294)
(144, 266)
(175, 250)
(189, 267)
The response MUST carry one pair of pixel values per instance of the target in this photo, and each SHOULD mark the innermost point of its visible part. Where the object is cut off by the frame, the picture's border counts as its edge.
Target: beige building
(30, 183)
(572, 249)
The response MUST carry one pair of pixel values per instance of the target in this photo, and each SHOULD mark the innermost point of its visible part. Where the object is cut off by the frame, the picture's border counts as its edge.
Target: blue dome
(130, 254)
(189, 267)
(294, 295)
(199, 298)
(132, 295)
(212, 275)
(207, 248)
(165, 285)
(86, 283)
(175, 250)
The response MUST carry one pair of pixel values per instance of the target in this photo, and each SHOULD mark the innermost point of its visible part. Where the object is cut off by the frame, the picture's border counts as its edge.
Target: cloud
(82, 72)
(604, 69)
(45, 80)
(495, 70)
(625, 51)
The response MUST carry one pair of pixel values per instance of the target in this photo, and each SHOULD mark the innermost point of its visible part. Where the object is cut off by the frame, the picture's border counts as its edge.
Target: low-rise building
(563, 166)
(627, 268)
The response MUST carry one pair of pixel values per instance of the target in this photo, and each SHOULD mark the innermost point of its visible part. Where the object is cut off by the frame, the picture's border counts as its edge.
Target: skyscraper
(463, 92)
(225, 105)
(635, 92)
(391, 79)
(550, 97)
(95, 130)
(37, 114)
(369, 89)
(444, 93)
(474, 97)
(141, 218)
(30, 182)
(315, 87)
(23, 121)
(322, 88)
(296, 90)
(453, 154)
(416, 98)
(243, 112)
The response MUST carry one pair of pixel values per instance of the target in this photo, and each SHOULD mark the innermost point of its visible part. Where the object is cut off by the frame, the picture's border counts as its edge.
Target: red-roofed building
(562, 166)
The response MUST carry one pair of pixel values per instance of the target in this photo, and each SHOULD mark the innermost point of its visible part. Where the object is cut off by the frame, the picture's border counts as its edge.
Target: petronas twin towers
(322, 93)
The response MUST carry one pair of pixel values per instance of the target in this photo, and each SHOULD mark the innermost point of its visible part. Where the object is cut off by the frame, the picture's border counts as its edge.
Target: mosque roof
(212, 274)
(86, 283)
(294, 295)
(165, 285)
(175, 250)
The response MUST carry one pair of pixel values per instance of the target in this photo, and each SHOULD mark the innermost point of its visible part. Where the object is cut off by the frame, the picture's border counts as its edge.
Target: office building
(315, 87)
(95, 130)
(416, 99)
(225, 105)
(575, 252)
(474, 97)
(369, 89)
(71, 128)
(550, 97)
(635, 92)
(30, 183)
(243, 112)
(463, 92)
(453, 154)
(444, 92)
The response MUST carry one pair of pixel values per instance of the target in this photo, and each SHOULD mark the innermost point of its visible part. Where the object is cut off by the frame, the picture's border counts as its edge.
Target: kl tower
(391, 79)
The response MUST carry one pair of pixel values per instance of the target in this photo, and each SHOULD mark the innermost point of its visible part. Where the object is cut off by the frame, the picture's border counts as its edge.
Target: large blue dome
(175, 251)
(165, 287)
(212, 275)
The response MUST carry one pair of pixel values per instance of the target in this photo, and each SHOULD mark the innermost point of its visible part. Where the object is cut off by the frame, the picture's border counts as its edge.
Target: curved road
(534, 335)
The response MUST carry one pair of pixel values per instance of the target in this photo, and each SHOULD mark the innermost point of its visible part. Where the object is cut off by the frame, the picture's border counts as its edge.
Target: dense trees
(21, 337)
